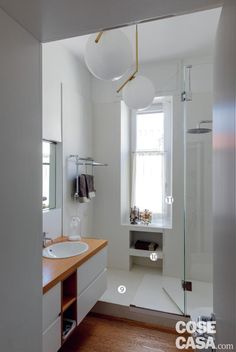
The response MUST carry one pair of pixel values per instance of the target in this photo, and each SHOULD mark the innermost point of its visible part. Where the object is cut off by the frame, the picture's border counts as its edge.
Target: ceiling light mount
(99, 37)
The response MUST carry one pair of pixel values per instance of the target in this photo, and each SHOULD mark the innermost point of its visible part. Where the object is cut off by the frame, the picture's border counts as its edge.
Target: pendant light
(138, 91)
(108, 55)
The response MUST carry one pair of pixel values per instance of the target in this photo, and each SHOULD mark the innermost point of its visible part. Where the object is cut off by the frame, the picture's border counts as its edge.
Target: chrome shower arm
(204, 121)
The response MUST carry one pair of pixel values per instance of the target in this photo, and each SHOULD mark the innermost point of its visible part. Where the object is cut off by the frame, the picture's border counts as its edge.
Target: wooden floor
(96, 334)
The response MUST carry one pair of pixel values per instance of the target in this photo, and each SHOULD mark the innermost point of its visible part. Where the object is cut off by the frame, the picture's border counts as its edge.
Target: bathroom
(86, 117)
(118, 175)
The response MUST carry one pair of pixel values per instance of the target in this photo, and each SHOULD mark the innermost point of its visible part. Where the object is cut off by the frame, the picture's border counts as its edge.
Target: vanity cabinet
(72, 298)
(91, 283)
(90, 270)
(52, 319)
(91, 295)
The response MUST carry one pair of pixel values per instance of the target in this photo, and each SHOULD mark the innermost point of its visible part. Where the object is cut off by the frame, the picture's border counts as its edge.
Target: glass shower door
(173, 239)
(190, 285)
(198, 192)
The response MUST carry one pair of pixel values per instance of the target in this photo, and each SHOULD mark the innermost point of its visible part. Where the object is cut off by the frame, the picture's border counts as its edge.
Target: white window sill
(153, 227)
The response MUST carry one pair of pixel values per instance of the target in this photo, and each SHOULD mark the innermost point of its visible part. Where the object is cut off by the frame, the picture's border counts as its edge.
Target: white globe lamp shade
(111, 57)
(139, 93)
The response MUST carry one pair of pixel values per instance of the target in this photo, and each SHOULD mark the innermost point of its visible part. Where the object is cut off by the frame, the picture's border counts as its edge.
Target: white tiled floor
(200, 300)
(173, 287)
(150, 295)
(129, 279)
(144, 288)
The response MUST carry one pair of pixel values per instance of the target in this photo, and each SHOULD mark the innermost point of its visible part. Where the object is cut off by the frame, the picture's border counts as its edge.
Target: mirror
(49, 175)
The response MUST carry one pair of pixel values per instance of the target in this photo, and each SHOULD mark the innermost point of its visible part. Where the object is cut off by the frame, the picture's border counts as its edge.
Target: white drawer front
(52, 337)
(51, 306)
(88, 271)
(91, 295)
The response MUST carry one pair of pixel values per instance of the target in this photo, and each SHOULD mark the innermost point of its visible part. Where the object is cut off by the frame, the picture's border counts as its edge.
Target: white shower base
(144, 288)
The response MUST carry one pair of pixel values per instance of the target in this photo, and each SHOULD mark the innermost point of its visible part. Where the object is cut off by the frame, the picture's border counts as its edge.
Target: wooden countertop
(56, 270)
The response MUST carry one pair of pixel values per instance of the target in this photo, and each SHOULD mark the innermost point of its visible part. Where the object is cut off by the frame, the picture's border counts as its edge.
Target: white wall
(224, 177)
(107, 204)
(51, 86)
(76, 113)
(52, 131)
(20, 189)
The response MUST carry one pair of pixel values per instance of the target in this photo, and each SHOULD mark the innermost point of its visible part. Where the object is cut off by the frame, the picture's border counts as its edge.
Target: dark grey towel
(83, 190)
(91, 192)
(75, 190)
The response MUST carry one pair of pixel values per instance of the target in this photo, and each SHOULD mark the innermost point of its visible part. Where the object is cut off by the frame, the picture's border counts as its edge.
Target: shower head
(199, 129)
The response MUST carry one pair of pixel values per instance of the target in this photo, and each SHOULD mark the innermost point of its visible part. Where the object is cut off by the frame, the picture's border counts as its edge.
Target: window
(151, 158)
(49, 175)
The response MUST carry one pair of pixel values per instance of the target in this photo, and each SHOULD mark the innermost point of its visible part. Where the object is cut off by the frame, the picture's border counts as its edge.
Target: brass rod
(136, 65)
(99, 36)
(124, 84)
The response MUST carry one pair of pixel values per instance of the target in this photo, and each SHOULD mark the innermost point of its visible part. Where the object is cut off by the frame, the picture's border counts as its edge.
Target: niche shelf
(69, 303)
(143, 253)
(142, 257)
(69, 291)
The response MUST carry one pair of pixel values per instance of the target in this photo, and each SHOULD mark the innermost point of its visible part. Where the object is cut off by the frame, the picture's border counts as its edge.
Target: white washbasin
(65, 249)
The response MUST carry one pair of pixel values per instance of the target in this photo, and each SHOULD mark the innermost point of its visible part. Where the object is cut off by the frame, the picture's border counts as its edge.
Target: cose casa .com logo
(203, 335)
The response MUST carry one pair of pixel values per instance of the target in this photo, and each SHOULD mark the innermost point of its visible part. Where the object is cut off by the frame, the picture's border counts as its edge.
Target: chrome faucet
(45, 239)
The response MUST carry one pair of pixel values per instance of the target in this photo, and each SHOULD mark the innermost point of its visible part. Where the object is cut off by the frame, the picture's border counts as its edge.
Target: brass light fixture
(136, 56)
(138, 91)
(137, 62)
(108, 54)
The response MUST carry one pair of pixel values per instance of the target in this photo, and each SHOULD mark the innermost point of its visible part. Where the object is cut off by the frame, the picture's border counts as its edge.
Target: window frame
(161, 104)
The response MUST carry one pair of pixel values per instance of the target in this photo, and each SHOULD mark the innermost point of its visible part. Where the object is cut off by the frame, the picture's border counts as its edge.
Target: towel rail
(85, 161)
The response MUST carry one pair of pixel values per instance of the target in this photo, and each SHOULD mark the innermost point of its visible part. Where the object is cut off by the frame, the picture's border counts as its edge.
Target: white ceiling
(172, 38)
(50, 20)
